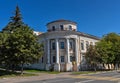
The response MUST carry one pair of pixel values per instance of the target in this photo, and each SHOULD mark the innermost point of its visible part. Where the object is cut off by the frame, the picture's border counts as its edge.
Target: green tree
(108, 48)
(15, 21)
(104, 51)
(92, 56)
(3, 38)
(24, 47)
(21, 46)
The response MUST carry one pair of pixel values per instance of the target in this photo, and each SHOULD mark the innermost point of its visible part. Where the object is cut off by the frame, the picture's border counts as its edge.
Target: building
(64, 47)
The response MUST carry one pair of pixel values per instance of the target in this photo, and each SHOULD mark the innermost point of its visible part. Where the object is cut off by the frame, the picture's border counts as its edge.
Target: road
(106, 77)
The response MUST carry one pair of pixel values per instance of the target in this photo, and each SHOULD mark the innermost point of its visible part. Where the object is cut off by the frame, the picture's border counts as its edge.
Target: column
(57, 51)
(68, 64)
(68, 54)
(48, 55)
(76, 54)
(48, 51)
(76, 50)
(57, 65)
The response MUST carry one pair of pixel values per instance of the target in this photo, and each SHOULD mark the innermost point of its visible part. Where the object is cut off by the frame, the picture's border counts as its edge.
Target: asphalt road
(108, 77)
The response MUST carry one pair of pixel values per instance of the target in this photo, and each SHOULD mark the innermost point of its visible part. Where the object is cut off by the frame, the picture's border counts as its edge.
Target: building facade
(64, 47)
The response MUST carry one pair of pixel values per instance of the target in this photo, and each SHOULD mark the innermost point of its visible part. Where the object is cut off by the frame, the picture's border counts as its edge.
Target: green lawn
(40, 71)
(29, 72)
(4, 74)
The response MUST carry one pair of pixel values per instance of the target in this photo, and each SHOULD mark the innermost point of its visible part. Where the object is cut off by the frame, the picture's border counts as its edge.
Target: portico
(62, 51)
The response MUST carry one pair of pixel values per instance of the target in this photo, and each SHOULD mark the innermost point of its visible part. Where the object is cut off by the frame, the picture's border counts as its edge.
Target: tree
(21, 46)
(24, 47)
(104, 51)
(3, 37)
(92, 56)
(109, 48)
(15, 21)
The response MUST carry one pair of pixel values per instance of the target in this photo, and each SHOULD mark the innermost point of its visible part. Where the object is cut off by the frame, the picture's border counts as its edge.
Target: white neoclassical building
(64, 47)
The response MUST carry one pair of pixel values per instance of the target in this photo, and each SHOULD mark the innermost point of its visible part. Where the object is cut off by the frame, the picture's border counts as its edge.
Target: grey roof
(62, 20)
(88, 35)
(71, 32)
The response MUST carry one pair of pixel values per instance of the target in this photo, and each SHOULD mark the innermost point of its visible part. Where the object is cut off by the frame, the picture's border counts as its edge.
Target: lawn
(40, 71)
(4, 74)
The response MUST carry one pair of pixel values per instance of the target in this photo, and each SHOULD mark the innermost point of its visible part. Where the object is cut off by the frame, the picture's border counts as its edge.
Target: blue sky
(96, 17)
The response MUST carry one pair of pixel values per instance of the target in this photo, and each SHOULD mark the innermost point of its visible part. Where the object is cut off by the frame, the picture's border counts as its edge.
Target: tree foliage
(15, 21)
(92, 57)
(18, 44)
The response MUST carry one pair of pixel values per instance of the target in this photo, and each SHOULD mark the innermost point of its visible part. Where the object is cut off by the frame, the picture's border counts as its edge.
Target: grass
(28, 72)
(41, 71)
(4, 74)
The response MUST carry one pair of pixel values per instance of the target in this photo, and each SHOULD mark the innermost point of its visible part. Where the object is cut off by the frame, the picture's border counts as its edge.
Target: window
(53, 28)
(62, 45)
(53, 45)
(61, 26)
(62, 58)
(70, 27)
(42, 60)
(87, 44)
(72, 58)
(83, 58)
(71, 45)
(82, 45)
(54, 59)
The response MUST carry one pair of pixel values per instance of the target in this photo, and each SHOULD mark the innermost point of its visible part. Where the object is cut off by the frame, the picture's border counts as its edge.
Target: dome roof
(62, 20)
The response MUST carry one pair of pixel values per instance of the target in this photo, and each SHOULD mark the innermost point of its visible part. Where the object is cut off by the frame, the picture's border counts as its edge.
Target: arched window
(53, 28)
(70, 27)
(61, 26)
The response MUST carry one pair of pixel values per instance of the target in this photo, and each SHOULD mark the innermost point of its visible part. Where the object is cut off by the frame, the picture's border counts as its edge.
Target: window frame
(54, 59)
(62, 27)
(62, 45)
(53, 28)
(70, 27)
(53, 46)
(82, 45)
(62, 59)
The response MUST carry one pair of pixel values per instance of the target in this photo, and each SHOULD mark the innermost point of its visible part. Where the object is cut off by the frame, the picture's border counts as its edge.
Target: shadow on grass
(4, 73)
(40, 71)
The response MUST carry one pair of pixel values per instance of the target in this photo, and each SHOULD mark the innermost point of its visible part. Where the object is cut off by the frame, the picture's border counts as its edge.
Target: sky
(95, 17)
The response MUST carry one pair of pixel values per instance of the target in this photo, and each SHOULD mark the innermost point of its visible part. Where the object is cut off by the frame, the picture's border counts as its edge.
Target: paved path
(108, 77)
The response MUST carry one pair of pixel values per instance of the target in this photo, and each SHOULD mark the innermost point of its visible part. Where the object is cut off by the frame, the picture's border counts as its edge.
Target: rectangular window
(62, 45)
(53, 28)
(62, 58)
(70, 27)
(82, 45)
(61, 26)
(54, 59)
(71, 45)
(42, 60)
(53, 45)
(72, 58)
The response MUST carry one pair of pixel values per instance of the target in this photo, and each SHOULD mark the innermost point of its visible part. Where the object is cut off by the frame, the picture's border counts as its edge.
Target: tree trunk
(22, 69)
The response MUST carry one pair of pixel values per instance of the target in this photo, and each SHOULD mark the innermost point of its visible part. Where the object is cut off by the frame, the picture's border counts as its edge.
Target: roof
(88, 35)
(70, 32)
(62, 20)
